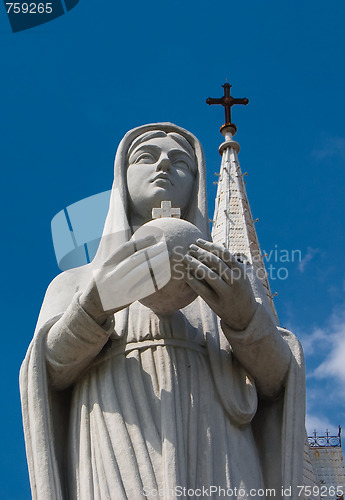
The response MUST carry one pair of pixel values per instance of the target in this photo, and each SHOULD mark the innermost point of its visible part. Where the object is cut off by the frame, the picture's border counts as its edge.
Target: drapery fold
(133, 381)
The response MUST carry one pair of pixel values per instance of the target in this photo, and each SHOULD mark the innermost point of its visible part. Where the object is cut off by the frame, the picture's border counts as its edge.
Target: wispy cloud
(324, 349)
(330, 341)
(311, 252)
(331, 147)
(334, 364)
(314, 341)
(320, 424)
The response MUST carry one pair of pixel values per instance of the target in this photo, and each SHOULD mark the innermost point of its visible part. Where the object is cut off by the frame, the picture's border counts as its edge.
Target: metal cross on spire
(227, 101)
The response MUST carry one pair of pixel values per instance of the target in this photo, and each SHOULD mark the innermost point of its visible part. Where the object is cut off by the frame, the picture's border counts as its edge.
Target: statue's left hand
(221, 280)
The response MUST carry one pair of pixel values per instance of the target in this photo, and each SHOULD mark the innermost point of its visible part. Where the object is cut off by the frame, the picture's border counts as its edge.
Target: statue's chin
(178, 235)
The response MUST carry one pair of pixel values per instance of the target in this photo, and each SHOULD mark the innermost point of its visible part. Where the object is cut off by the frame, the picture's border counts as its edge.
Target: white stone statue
(130, 404)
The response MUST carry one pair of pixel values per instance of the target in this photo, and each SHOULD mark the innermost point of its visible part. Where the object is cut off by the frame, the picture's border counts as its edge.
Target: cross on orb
(166, 211)
(227, 101)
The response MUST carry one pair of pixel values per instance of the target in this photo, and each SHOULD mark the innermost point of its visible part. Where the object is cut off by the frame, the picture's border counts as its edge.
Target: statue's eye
(145, 158)
(182, 164)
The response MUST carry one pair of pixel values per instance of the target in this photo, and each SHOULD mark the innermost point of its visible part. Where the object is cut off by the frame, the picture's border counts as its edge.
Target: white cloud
(329, 341)
(334, 364)
(311, 252)
(324, 348)
(332, 147)
(319, 424)
(314, 341)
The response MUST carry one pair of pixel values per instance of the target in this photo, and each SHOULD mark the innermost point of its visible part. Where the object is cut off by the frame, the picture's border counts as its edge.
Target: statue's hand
(115, 283)
(221, 280)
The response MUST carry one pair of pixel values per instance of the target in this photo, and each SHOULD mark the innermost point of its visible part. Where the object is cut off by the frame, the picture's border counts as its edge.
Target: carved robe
(149, 404)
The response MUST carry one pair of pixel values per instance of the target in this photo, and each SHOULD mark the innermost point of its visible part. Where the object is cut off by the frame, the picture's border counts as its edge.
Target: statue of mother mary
(130, 404)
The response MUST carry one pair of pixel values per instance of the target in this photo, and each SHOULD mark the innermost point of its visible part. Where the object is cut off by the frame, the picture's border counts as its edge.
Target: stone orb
(178, 234)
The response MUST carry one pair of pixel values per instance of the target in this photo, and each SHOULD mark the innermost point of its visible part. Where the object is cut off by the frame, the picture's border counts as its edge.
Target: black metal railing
(326, 441)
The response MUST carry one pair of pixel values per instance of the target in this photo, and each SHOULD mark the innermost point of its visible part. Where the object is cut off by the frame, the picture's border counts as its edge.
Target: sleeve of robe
(274, 358)
(45, 410)
(73, 343)
(277, 420)
(262, 351)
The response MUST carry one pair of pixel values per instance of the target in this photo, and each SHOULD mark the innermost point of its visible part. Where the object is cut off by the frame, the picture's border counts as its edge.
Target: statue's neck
(136, 220)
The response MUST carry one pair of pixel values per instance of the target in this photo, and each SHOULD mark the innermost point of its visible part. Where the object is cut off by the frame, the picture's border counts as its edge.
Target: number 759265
(29, 8)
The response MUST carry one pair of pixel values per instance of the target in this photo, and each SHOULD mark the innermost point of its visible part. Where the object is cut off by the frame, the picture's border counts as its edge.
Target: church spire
(233, 224)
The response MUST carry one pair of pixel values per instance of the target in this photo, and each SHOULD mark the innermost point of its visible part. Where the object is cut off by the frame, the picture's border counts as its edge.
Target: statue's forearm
(261, 349)
(72, 344)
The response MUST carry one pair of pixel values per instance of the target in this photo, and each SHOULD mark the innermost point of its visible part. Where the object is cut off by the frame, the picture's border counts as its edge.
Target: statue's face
(159, 170)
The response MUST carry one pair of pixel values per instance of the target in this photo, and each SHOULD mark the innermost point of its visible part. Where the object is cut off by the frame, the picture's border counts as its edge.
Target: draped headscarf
(117, 229)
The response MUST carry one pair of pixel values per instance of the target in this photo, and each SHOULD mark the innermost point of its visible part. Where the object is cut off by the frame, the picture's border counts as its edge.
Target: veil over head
(117, 229)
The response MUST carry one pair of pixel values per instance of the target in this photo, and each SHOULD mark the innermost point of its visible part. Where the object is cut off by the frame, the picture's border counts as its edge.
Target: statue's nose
(164, 163)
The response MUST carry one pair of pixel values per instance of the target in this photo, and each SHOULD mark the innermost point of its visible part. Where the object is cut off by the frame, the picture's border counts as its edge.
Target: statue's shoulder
(61, 291)
(70, 282)
(294, 344)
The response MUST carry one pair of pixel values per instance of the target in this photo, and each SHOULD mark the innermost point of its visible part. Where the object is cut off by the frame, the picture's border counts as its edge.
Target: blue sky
(70, 90)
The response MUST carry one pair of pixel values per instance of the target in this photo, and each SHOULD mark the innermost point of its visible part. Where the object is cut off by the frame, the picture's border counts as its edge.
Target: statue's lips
(162, 177)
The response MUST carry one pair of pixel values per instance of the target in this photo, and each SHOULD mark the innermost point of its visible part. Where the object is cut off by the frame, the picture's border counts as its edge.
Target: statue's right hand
(116, 282)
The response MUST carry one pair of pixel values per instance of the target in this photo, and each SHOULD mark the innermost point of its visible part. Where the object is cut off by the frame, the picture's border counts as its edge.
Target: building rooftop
(327, 461)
